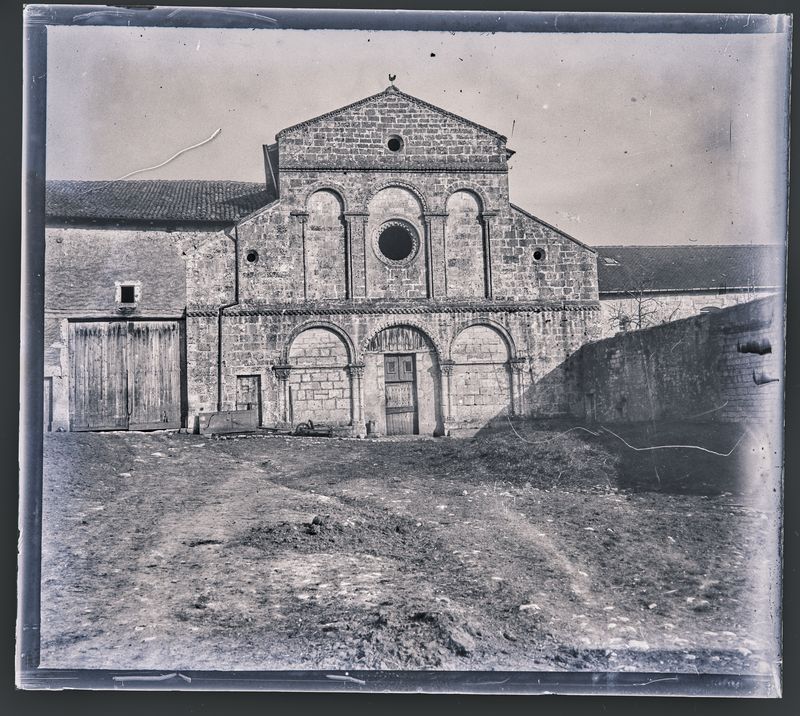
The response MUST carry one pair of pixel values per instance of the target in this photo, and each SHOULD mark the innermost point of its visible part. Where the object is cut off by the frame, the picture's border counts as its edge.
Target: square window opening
(127, 294)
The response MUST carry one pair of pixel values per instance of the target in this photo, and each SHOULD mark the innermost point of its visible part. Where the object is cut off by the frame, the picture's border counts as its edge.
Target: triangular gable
(553, 228)
(378, 97)
(391, 130)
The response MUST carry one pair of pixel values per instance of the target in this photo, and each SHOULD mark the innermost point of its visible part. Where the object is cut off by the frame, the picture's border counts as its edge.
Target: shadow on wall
(710, 383)
(725, 366)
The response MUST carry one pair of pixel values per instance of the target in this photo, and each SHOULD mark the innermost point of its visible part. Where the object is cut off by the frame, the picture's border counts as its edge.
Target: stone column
(518, 366)
(356, 371)
(357, 253)
(302, 217)
(486, 219)
(282, 374)
(446, 368)
(435, 223)
(348, 259)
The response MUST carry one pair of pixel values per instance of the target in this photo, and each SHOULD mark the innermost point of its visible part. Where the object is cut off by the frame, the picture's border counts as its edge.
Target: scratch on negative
(160, 677)
(542, 442)
(653, 681)
(231, 11)
(173, 157)
(667, 447)
(349, 679)
(706, 412)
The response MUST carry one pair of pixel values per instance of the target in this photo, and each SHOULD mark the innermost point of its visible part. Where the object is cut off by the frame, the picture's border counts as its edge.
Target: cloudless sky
(620, 138)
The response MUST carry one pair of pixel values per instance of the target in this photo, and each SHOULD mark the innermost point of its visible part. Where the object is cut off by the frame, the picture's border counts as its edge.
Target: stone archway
(317, 377)
(403, 382)
(481, 381)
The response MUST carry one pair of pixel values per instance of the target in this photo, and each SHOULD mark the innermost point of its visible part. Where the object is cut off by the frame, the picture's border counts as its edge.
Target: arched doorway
(402, 382)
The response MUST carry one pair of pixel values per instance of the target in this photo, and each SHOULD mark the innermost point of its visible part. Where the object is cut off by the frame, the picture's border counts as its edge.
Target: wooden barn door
(401, 394)
(125, 375)
(98, 376)
(154, 375)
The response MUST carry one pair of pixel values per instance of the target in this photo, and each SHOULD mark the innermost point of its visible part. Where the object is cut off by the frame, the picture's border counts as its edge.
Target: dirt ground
(532, 550)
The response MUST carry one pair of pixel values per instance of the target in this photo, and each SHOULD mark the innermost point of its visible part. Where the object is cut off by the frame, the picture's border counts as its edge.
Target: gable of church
(391, 130)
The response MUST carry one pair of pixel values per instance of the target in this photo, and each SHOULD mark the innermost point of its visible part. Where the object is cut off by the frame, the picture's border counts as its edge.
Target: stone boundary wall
(725, 366)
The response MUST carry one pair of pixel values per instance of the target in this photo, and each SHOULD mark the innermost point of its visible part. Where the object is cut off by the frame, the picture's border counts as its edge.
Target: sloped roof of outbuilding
(184, 200)
(634, 269)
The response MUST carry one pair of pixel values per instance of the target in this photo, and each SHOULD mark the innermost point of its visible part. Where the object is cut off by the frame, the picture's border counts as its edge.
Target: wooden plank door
(98, 376)
(401, 394)
(248, 393)
(154, 375)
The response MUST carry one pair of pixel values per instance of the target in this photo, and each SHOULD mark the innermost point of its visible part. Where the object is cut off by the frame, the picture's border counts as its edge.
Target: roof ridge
(154, 181)
(391, 89)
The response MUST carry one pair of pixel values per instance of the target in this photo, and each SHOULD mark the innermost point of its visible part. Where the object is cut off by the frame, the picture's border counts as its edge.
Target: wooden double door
(400, 381)
(125, 375)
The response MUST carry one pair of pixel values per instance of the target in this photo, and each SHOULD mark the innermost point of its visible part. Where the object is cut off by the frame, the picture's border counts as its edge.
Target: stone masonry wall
(383, 278)
(660, 308)
(464, 252)
(449, 180)
(257, 341)
(325, 247)
(83, 267)
(725, 366)
(481, 381)
(529, 260)
(319, 384)
(358, 137)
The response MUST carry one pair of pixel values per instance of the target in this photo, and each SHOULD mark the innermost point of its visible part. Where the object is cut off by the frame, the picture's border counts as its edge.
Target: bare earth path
(171, 551)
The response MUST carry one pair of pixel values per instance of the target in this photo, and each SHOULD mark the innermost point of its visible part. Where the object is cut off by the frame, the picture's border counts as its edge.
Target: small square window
(127, 294)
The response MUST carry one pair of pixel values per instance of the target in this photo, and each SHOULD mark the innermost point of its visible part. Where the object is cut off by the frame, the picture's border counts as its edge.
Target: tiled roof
(155, 200)
(633, 269)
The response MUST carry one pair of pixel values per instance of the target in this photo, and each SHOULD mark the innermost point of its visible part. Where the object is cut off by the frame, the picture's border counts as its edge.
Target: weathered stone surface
(725, 366)
(293, 294)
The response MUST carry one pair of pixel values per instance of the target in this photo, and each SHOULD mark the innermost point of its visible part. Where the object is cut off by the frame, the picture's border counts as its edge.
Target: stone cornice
(419, 169)
(394, 308)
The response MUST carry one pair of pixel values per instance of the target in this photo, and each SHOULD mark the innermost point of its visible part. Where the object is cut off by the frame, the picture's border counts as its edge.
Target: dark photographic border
(29, 676)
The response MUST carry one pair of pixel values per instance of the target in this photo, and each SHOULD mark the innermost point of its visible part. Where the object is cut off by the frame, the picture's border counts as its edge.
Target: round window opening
(538, 255)
(252, 256)
(396, 242)
(395, 143)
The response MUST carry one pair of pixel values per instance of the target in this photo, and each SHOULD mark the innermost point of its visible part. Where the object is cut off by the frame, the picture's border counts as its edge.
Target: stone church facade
(381, 278)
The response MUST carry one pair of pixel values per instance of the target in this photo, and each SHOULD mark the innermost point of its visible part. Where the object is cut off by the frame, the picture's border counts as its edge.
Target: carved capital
(446, 366)
(486, 215)
(282, 371)
(356, 370)
(518, 365)
(301, 216)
